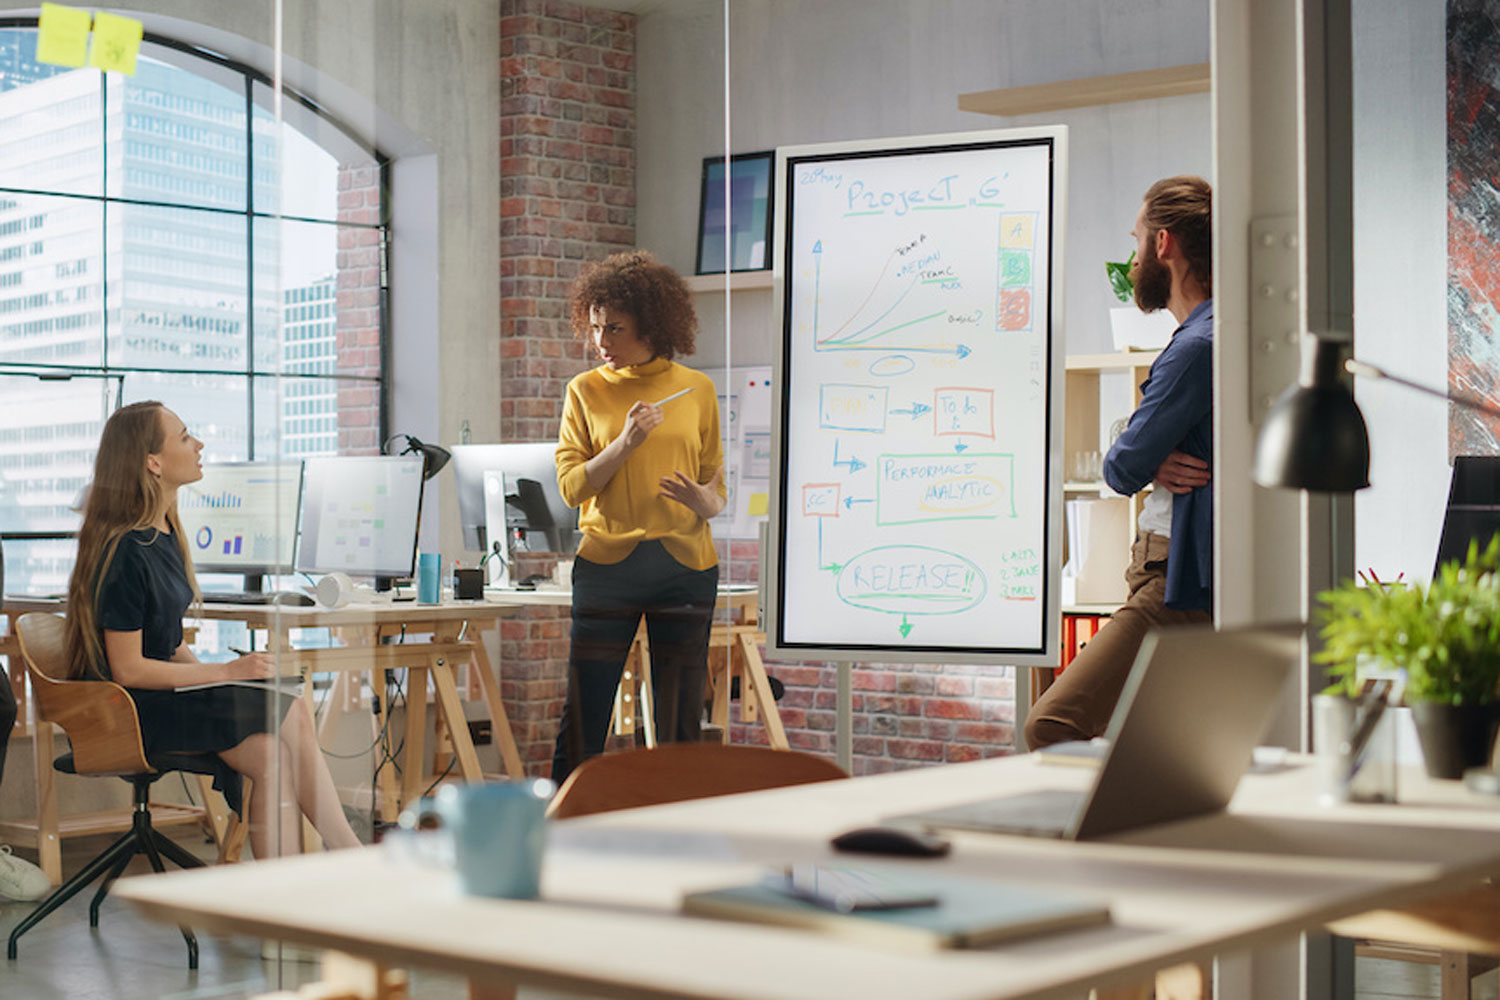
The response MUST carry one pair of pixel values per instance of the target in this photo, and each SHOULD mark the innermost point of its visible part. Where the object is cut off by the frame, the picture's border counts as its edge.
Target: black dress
(145, 589)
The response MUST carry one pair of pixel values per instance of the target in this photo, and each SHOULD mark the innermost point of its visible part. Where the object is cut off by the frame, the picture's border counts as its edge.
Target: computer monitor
(1473, 507)
(360, 515)
(526, 472)
(241, 517)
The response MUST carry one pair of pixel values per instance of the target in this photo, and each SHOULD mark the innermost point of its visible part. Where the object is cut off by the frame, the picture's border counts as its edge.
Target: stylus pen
(239, 652)
(680, 392)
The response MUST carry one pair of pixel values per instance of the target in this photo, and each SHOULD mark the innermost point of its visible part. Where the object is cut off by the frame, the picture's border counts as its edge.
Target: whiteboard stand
(1024, 682)
(843, 721)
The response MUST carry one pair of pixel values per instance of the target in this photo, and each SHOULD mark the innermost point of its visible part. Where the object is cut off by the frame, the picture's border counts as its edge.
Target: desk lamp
(434, 456)
(1315, 437)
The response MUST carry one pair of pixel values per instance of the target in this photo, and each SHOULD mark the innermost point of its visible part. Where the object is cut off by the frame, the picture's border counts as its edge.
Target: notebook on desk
(1191, 712)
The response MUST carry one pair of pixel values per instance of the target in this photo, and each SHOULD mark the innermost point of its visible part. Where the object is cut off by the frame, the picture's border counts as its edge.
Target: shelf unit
(739, 281)
(1102, 584)
(1116, 88)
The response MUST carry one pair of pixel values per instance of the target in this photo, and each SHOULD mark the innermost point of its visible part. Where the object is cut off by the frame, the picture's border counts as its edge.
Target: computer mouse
(293, 598)
(892, 840)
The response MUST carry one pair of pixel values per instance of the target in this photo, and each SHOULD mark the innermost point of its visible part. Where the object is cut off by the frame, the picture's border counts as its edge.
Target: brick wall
(358, 296)
(905, 715)
(567, 189)
(567, 194)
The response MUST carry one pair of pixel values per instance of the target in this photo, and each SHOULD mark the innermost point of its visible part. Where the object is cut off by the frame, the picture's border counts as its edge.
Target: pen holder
(1346, 773)
(468, 584)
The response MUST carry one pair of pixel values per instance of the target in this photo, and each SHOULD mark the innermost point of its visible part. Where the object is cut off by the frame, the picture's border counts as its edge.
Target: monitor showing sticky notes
(63, 35)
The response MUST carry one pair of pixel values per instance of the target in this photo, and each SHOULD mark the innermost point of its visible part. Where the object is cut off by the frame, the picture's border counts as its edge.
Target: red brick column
(567, 195)
(357, 336)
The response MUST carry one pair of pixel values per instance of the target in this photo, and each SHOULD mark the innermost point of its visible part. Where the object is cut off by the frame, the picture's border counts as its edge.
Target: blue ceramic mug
(498, 832)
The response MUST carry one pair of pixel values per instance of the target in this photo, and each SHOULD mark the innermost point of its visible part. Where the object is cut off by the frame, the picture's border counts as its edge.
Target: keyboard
(283, 597)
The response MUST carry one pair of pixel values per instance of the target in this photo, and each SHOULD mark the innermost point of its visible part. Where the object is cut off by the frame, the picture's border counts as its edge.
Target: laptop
(1193, 708)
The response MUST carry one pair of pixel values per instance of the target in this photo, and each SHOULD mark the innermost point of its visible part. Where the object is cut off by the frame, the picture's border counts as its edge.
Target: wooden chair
(104, 730)
(675, 772)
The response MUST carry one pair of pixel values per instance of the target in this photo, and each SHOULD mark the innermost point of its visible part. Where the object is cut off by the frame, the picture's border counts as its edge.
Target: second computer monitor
(1473, 512)
(241, 517)
(360, 515)
(524, 471)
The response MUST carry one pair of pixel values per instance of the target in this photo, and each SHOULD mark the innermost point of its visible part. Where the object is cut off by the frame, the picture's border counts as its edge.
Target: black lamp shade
(434, 457)
(1314, 439)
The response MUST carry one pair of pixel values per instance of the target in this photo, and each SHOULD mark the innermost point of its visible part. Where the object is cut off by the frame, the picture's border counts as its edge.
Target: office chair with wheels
(104, 731)
(674, 772)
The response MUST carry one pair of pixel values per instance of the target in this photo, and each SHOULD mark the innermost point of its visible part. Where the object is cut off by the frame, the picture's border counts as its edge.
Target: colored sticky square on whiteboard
(117, 41)
(1017, 230)
(62, 37)
(759, 504)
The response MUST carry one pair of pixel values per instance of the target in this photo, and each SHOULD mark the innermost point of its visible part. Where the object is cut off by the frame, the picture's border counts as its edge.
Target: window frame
(251, 76)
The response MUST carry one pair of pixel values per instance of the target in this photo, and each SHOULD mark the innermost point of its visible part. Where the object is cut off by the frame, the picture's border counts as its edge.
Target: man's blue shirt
(1176, 413)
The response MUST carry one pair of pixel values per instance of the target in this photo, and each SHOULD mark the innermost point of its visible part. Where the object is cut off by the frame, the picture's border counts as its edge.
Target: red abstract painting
(1473, 222)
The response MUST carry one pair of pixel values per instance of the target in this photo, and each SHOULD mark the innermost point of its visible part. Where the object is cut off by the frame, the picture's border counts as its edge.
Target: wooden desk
(454, 637)
(1276, 865)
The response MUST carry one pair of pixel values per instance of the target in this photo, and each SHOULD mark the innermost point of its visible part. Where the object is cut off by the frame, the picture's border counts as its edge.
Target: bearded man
(1168, 443)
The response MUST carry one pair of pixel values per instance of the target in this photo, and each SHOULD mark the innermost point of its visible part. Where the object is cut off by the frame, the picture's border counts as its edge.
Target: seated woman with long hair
(130, 587)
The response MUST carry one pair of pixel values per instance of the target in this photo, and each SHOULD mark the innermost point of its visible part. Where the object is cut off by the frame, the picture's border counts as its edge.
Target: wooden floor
(132, 959)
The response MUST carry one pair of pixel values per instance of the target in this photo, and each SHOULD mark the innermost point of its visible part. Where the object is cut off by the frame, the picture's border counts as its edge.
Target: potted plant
(1445, 636)
(1131, 329)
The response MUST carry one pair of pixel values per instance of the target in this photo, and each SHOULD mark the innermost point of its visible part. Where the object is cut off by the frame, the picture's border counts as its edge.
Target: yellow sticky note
(759, 502)
(117, 41)
(62, 37)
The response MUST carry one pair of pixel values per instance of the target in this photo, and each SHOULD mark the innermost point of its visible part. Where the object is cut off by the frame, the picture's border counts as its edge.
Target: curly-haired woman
(639, 454)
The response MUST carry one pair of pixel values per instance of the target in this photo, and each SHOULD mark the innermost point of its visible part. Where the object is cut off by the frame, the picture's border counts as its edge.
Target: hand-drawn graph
(914, 498)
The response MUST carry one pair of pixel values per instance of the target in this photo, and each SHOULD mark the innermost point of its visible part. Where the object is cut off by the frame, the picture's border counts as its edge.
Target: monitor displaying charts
(360, 515)
(241, 517)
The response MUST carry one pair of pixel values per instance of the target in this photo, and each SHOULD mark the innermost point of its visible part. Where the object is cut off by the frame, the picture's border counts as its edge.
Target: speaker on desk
(335, 590)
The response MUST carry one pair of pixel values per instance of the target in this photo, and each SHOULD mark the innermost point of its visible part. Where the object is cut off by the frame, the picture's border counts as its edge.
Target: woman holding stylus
(639, 453)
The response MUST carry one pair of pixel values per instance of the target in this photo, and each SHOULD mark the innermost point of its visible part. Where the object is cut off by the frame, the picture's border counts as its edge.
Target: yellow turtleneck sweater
(630, 508)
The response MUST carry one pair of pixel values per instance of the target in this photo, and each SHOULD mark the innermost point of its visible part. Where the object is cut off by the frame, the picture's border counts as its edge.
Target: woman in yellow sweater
(639, 454)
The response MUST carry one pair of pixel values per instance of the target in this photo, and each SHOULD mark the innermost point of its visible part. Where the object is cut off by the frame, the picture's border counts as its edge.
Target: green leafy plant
(1445, 634)
(1119, 278)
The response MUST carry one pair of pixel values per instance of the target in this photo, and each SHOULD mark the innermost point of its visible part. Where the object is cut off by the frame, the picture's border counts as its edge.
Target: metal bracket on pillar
(1275, 309)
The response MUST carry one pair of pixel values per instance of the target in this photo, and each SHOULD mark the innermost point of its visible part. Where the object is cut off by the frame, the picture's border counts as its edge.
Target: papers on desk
(1087, 753)
(970, 913)
(289, 684)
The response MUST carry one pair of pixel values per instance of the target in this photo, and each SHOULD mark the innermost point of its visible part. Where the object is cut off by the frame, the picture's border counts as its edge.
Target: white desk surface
(372, 606)
(1275, 865)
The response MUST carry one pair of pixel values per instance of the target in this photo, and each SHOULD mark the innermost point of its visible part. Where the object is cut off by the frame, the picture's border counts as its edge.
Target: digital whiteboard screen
(917, 498)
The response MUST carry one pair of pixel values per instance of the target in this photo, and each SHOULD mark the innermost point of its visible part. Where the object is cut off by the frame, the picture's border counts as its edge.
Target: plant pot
(1455, 737)
(1133, 330)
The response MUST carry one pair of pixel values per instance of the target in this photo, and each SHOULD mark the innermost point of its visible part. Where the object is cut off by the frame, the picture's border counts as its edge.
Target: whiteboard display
(916, 490)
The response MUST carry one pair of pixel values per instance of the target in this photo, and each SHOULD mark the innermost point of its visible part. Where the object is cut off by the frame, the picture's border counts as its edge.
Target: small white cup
(335, 590)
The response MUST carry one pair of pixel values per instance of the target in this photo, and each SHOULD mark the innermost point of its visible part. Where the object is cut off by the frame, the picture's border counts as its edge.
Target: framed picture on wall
(751, 195)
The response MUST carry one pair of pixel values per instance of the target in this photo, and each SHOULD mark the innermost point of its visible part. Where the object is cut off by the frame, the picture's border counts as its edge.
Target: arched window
(164, 236)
